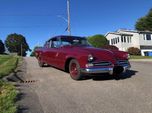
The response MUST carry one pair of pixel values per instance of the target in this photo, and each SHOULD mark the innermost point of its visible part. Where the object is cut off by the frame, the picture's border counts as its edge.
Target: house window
(148, 36)
(128, 39)
(113, 41)
(118, 39)
(121, 38)
(124, 39)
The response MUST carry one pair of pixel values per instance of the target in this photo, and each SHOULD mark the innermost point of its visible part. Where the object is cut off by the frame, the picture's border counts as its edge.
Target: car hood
(103, 54)
(98, 53)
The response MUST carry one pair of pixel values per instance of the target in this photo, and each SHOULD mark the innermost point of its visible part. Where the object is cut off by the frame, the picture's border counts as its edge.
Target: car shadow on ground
(103, 77)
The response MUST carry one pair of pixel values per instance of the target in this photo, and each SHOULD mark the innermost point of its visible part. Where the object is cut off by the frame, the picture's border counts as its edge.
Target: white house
(123, 39)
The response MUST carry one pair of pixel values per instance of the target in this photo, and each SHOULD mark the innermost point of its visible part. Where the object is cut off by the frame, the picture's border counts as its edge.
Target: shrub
(98, 40)
(134, 51)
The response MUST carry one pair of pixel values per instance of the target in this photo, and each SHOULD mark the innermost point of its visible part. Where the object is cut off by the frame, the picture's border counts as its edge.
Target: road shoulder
(27, 100)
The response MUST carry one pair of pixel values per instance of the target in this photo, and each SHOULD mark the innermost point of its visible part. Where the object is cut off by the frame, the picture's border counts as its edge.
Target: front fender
(82, 59)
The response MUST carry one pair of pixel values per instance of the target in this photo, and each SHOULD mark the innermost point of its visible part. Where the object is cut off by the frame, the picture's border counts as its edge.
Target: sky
(39, 20)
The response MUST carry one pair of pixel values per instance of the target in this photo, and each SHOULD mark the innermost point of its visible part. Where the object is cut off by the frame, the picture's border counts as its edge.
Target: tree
(145, 23)
(98, 40)
(16, 43)
(2, 47)
(33, 52)
(134, 51)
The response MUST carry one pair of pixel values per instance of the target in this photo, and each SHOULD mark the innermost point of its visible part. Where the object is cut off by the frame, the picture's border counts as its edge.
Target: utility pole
(68, 12)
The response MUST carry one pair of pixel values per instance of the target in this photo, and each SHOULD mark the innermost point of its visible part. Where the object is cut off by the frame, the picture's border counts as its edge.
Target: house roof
(133, 31)
(116, 33)
(119, 32)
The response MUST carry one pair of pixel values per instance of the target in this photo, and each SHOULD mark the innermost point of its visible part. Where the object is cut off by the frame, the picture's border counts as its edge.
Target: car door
(48, 53)
(60, 54)
(53, 51)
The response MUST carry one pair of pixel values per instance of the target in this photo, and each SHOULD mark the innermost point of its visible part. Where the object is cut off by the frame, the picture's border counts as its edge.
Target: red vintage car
(76, 56)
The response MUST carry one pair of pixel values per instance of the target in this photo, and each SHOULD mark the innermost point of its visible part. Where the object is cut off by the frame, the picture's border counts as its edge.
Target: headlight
(90, 58)
(128, 56)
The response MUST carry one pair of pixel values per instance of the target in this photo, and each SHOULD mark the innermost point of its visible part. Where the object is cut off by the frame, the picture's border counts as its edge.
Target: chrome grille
(103, 63)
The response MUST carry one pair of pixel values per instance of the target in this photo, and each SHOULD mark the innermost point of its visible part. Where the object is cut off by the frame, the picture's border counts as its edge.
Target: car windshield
(74, 41)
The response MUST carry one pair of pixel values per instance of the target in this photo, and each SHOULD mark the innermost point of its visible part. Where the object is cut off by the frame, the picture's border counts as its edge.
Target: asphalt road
(55, 92)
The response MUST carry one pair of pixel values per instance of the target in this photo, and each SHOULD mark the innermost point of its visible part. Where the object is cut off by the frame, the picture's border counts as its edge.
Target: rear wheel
(74, 69)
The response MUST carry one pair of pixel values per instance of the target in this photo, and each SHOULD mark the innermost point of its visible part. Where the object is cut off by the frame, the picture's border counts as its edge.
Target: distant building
(123, 39)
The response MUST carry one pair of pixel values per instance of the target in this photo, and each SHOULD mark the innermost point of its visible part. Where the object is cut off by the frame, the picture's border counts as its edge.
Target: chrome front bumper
(103, 70)
(126, 67)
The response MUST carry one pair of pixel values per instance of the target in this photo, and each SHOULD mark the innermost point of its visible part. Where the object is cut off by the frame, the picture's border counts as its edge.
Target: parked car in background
(75, 55)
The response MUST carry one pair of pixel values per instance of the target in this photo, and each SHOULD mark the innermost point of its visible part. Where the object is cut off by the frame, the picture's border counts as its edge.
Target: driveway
(53, 91)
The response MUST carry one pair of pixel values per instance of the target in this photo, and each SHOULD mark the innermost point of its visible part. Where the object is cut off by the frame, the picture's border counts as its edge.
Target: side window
(46, 45)
(55, 43)
(50, 44)
(64, 43)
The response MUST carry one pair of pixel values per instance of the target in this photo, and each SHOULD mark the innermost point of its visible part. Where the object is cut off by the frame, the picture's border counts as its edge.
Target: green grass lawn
(8, 92)
(140, 57)
(7, 64)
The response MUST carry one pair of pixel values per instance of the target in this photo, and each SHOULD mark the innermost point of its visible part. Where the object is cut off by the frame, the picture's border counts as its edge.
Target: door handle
(57, 54)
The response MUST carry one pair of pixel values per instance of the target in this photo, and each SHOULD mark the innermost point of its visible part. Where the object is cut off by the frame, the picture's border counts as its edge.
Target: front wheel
(74, 69)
